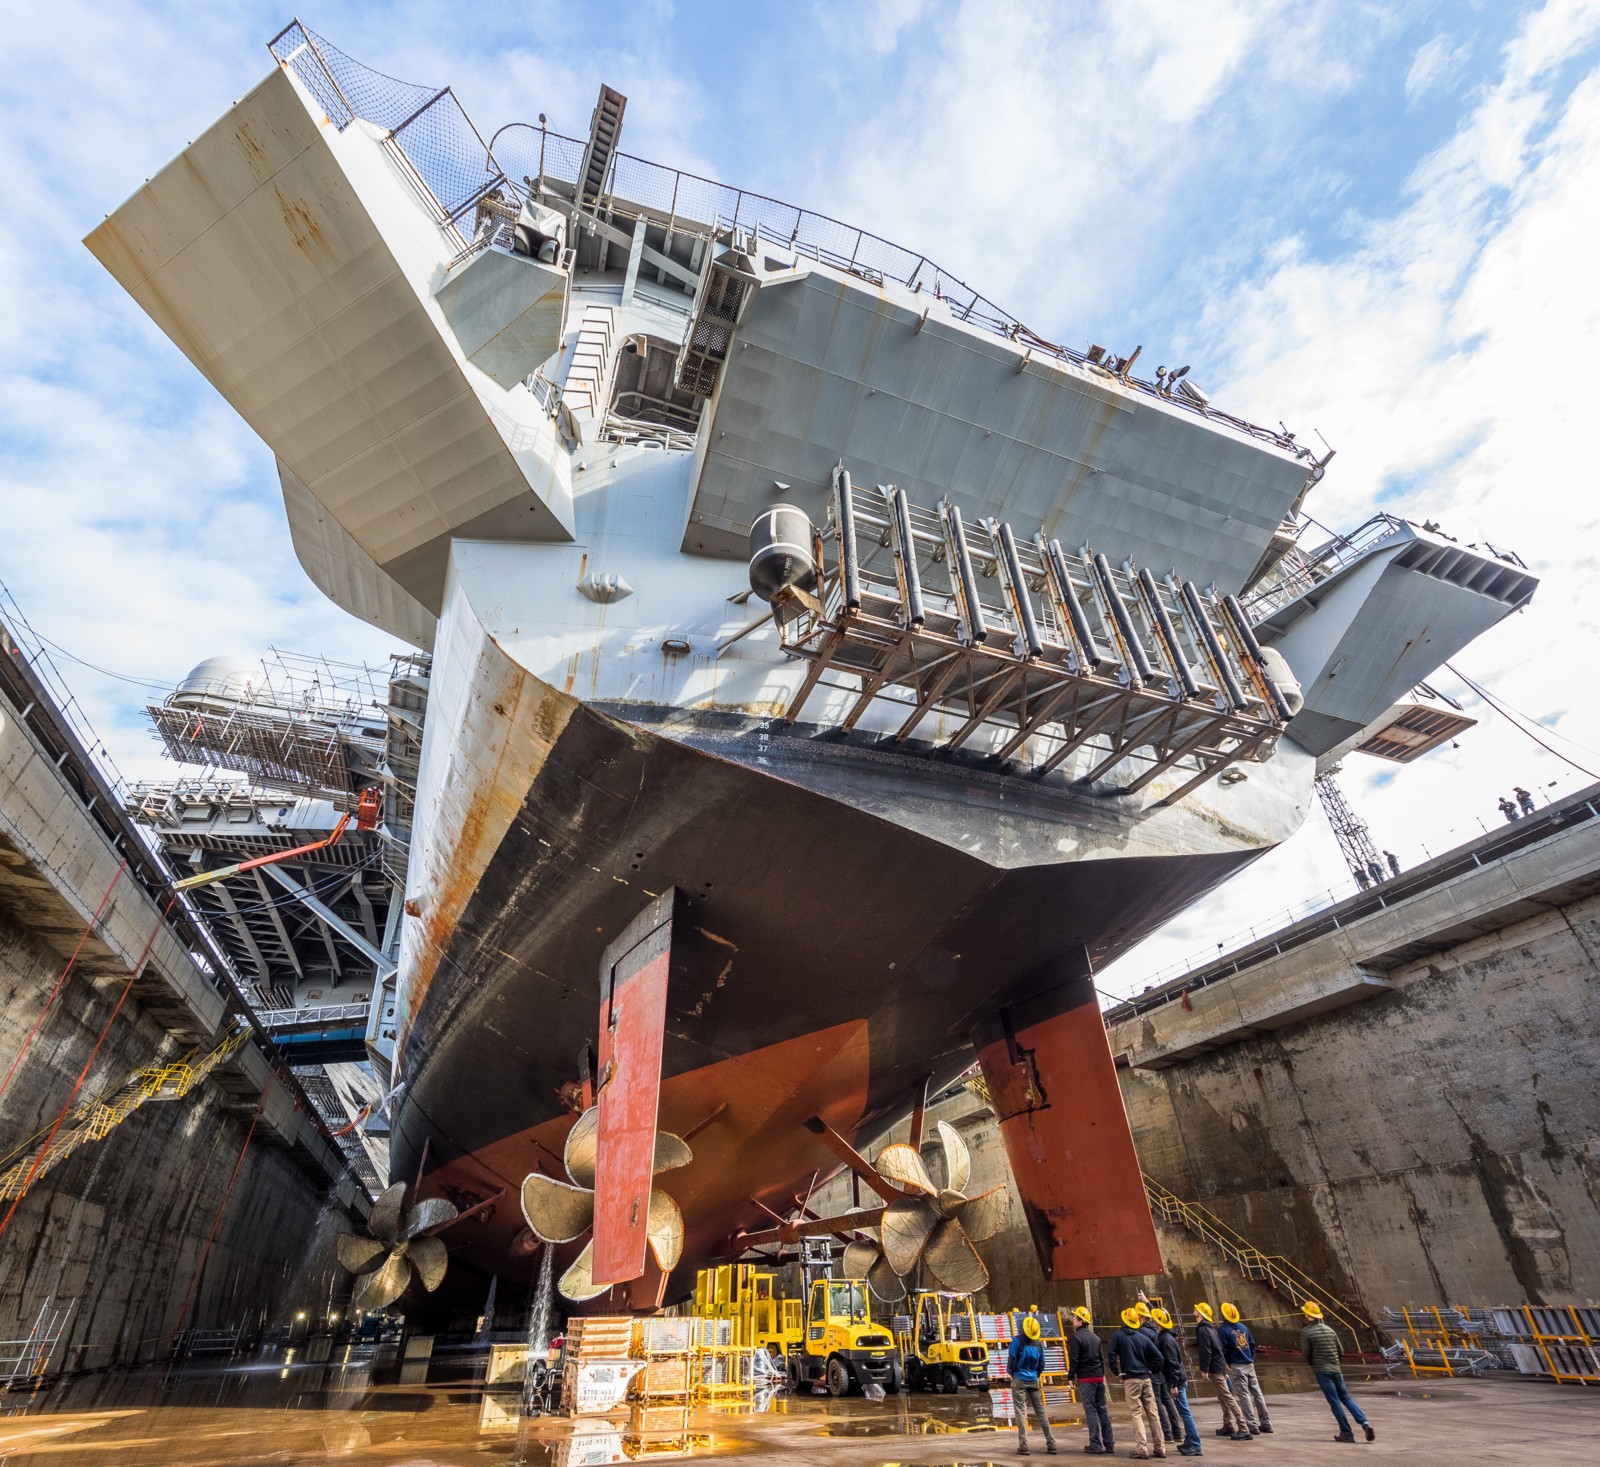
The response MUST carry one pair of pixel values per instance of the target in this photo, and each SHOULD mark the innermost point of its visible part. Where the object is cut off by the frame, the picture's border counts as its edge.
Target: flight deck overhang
(302, 269)
(1368, 616)
(823, 365)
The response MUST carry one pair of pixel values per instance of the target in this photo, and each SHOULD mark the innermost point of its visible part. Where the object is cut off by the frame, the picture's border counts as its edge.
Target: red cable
(83, 1074)
(55, 992)
(205, 1252)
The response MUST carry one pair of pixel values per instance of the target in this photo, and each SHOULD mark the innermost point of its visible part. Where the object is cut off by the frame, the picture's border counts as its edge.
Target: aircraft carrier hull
(834, 959)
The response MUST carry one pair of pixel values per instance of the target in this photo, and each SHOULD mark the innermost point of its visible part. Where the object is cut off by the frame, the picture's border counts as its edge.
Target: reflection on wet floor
(368, 1404)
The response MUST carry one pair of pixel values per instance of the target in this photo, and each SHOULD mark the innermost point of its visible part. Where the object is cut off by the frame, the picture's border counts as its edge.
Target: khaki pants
(1247, 1389)
(1141, 1398)
(1232, 1416)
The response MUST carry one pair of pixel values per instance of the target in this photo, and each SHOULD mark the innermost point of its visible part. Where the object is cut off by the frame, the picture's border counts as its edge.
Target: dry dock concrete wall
(117, 1230)
(1402, 1097)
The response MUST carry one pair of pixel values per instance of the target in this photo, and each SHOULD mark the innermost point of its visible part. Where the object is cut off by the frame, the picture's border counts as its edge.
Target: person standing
(1024, 1364)
(1175, 1384)
(1214, 1368)
(1524, 799)
(1086, 1368)
(1136, 1361)
(1239, 1350)
(1509, 810)
(1171, 1427)
(1320, 1345)
(1393, 860)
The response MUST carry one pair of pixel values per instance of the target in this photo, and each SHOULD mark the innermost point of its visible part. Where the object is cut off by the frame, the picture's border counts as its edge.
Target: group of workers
(1524, 804)
(1146, 1357)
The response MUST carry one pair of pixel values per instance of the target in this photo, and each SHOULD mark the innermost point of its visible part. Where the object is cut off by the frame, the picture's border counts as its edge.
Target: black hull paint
(808, 911)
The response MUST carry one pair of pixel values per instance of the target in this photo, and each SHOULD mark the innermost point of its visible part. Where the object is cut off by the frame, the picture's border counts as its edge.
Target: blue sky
(1376, 220)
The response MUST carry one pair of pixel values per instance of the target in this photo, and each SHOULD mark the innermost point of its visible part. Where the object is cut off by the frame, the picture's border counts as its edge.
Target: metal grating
(1051, 654)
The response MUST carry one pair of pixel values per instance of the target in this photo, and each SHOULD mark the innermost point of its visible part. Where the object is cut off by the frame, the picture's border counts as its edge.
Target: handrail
(1269, 1268)
(459, 169)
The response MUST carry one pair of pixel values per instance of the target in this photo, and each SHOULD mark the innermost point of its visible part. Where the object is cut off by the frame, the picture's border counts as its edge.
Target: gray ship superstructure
(930, 664)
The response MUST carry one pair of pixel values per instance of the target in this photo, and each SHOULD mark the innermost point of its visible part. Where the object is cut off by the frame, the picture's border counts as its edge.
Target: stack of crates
(722, 1369)
(598, 1365)
(666, 1346)
(995, 1330)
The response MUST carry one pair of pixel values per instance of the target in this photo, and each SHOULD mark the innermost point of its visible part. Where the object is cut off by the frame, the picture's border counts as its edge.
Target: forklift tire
(896, 1382)
(952, 1380)
(838, 1377)
(933, 1380)
(913, 1374)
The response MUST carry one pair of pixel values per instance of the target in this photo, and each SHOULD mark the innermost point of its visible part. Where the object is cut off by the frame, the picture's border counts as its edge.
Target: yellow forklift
(942, 1350)
(842, 1345)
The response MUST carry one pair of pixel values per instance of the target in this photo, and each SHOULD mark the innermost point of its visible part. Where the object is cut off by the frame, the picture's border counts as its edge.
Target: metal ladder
(1276, 1272)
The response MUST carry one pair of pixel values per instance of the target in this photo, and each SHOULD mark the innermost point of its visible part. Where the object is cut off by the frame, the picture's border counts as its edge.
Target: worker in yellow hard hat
(1239, 1350)
(1171, 1427)
(1320, 1345)
(1025, 1364)
(1136, 1361)
(1214, 1370)
(1086, 1368)
(1175, 1384)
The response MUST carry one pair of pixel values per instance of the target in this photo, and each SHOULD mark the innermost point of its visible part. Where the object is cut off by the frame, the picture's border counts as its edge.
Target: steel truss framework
(1062, 651)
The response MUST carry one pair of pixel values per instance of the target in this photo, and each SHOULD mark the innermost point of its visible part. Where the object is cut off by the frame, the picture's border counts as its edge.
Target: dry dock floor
(263, 1412)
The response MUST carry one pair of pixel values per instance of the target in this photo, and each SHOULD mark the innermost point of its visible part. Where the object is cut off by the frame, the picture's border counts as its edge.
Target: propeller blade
(433, 1213)
(357, 1253)
(983, 1216)
(859, 1259)
(953, 1260)
(957, 1159)
(383, 1222)
(907, 1221)
(577, 1283)
(671, 1152)
(664, 1231)
(885, 1282)
(556, 1211)
(583, 1147)
(903, 1164)
(379, 1290)
(428, 1257)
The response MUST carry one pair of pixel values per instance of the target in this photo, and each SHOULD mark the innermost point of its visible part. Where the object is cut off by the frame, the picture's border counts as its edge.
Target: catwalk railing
(455, 169)
(1273, 1270)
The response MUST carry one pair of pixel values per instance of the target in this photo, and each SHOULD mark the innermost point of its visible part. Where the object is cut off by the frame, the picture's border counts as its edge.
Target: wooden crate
(664, 1377)
(597, 1387)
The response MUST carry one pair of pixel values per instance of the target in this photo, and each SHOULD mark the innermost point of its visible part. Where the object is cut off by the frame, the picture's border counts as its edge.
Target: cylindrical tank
(781, 553)
(218, 681)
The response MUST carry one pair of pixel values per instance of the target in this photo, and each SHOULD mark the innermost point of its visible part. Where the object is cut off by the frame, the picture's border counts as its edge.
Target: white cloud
(1442, 353)
(1435, 67)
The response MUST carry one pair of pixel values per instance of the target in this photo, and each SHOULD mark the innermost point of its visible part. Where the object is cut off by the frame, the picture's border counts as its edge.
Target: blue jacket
(1133, 1356)
(1024, 1361)
(1238, 1344)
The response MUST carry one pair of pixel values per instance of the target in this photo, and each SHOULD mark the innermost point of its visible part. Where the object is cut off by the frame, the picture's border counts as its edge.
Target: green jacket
(1320, 1346)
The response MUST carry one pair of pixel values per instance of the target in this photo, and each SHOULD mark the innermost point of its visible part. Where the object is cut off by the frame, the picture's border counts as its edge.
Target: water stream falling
(538, 1330)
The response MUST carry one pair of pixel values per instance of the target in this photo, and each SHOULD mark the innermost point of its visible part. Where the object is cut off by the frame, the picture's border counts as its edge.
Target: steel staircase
(584, 391)
(1276, 1272)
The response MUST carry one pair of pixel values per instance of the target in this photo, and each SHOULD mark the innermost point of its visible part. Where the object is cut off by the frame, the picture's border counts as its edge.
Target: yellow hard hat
(1142, 1309)
(1204, 1311)
(1161, 1317)
(1311, 1309)
(1082, 1312)
(1030, 1327)
(1130, 1317)
(1230, 1314)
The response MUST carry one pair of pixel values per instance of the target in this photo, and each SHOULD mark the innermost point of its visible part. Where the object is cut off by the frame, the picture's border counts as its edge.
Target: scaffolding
(1350, 830)
(1557, 1342)
(299, 724)
(26, 1361)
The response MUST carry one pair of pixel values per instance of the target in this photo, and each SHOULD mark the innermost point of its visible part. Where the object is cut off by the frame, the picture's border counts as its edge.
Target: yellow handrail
(1271, 1269)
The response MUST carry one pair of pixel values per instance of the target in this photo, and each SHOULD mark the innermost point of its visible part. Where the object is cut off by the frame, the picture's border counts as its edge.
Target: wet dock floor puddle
(369, 1407)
